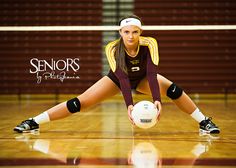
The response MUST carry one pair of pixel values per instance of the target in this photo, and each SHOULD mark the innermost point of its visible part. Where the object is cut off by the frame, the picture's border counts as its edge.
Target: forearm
(154, 86)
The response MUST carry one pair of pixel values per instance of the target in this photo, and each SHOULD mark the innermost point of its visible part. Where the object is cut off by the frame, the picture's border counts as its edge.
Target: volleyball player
(133, 61)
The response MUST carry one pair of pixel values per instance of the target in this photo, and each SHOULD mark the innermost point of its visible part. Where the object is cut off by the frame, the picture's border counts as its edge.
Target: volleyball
(145, 114)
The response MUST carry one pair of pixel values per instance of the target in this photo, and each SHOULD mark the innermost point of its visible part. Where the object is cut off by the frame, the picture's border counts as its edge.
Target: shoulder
(147, 41)
(110, 46)
(110, 53)
(152, 45)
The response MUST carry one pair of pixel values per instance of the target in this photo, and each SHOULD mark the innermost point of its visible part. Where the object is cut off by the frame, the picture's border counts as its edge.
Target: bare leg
(102, 89)
(183, 102)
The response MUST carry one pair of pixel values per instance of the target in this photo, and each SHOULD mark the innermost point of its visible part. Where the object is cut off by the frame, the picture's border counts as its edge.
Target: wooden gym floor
(103, 137)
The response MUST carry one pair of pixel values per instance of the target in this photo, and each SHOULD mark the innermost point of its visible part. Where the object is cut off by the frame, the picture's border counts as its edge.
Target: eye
(135, 32)
(126, 32)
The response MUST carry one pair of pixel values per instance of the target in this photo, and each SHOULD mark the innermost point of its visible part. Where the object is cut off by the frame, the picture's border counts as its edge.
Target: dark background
(200, 61)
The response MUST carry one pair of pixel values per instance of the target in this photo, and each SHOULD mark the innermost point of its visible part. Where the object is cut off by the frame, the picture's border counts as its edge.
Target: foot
(207, 126)
(27, 126)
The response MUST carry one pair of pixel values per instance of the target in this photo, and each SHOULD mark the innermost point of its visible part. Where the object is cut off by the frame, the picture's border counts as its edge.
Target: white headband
(130, 21)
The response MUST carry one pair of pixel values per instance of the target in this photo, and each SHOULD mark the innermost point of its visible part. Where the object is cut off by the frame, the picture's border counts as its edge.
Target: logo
(134, 69)
(54, 69)
(127, 21)
(145, 120)
(134, 62)
(75, 104)
(174, 89)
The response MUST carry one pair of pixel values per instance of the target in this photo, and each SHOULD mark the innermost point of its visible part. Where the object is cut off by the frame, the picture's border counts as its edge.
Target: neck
(132, 51)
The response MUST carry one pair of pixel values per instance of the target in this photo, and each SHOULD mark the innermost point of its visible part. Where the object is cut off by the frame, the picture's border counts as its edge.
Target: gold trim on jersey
(150, 42)
(153, 47)
(135, 53)
(110, 53)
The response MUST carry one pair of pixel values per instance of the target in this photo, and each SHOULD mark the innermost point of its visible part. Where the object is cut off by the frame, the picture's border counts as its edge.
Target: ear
(120, 32)
(141, 31)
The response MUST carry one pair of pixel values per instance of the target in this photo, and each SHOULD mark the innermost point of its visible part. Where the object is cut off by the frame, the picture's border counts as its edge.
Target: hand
(159, 108)
(130, 109)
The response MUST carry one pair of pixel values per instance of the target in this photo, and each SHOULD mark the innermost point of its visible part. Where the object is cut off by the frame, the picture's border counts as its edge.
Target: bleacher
(18, 48)
(201, 61)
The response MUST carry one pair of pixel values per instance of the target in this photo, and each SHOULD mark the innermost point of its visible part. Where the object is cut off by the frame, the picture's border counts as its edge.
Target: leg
(102, 89)
(183, 102)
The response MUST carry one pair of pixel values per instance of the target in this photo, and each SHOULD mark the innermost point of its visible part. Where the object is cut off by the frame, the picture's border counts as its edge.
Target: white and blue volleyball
(145, 114)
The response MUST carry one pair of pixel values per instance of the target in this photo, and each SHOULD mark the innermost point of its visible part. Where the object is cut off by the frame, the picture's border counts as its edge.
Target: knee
(73, 105)
(174, 91)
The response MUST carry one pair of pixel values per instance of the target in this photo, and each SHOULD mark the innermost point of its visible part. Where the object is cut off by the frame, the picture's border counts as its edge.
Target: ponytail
(120, 55)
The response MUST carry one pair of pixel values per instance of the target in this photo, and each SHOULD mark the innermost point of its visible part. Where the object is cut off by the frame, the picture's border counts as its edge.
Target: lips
(130, 41)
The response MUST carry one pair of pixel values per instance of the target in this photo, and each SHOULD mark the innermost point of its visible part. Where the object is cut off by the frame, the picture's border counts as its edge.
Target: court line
(114, 161)
(113, 28)
(223, 140)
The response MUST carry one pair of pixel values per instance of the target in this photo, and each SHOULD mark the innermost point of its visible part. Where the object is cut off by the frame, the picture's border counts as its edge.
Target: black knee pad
(174, 91)
(73, 105)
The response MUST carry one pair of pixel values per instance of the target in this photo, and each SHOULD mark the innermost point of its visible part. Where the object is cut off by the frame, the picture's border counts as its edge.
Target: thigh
(163, 82)
(102, 89)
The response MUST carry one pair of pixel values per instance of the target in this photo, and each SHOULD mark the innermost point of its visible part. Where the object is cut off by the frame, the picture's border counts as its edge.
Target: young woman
(133, 61)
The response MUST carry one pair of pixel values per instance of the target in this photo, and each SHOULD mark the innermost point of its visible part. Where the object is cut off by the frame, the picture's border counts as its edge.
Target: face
(130, 35)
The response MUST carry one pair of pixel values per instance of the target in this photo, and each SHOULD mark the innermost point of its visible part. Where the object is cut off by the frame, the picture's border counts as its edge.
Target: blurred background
(200, 61)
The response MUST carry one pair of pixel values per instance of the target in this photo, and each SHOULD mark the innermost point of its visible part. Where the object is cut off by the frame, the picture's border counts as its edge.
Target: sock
(197, 115)
(42, 118)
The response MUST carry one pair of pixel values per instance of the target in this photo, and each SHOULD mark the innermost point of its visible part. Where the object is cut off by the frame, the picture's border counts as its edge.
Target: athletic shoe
(27, 126)
(207, 126)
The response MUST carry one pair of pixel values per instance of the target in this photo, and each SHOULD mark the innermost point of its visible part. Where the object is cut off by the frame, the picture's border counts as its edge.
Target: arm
(152, 79)
(153, 83)
(124, 86)
(123, 78)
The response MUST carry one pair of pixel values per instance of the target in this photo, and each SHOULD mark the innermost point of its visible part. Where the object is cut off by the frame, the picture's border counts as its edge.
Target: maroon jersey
(144, 64)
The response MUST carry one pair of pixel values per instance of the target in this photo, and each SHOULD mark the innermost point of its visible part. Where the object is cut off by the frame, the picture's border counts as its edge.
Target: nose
(131, 35)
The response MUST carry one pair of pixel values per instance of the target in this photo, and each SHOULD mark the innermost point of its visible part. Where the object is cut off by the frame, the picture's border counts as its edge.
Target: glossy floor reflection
(103, 137)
